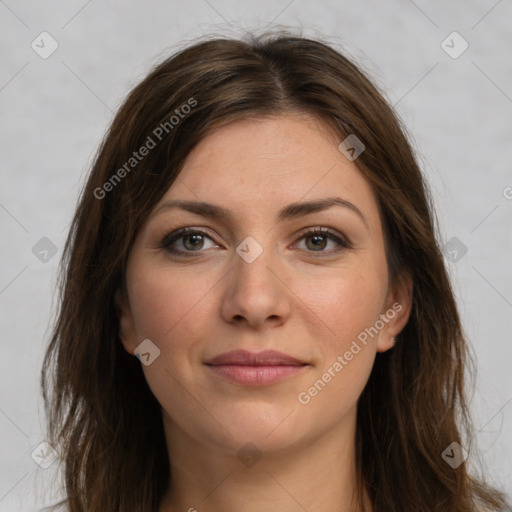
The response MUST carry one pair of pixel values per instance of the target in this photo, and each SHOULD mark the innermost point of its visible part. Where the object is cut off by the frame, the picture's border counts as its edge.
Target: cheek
(165, 301)
(346, 302)
(349, 306)
(174, 310)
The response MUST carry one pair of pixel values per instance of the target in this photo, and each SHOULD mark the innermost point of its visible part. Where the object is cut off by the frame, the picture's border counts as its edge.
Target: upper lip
(246, 358)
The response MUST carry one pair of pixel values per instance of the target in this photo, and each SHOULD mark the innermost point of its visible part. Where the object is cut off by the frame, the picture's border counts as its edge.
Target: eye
(317, 240)
(186, 240)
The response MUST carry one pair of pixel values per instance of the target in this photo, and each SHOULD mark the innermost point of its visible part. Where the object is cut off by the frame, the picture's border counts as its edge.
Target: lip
(246, 358)
(255, 368)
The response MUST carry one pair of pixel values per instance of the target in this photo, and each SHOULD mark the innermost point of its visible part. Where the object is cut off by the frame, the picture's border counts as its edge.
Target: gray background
(54, 112)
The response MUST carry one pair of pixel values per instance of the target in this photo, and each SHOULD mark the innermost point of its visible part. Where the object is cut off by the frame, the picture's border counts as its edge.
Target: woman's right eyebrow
(290, 211)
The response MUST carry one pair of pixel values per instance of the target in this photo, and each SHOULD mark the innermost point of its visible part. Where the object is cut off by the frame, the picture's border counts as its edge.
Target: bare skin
(305, 295)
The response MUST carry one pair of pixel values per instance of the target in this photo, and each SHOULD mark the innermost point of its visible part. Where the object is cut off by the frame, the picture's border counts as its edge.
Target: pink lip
(255, 369)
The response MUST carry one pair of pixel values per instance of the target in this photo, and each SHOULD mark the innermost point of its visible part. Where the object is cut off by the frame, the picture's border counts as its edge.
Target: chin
(270, 427)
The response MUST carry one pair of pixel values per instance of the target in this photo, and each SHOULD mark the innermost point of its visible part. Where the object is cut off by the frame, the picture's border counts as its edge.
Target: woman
(255, 311)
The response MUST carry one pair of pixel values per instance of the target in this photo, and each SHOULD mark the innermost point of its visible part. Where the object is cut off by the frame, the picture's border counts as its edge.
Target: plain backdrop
(455, 101)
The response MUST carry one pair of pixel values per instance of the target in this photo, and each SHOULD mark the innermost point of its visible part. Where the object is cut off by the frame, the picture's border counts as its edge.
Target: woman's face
(250, 276)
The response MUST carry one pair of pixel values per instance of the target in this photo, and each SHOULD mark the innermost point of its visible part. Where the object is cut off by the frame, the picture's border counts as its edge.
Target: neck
(316, 476)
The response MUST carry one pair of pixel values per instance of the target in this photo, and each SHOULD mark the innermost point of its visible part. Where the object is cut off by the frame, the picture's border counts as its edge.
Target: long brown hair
(100, 410)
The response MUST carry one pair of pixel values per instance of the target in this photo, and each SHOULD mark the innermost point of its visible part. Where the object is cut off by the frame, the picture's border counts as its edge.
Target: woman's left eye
(318, 239)
(193, 241)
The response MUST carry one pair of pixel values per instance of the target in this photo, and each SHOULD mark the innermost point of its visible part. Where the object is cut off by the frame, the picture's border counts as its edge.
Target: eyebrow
(291, 211)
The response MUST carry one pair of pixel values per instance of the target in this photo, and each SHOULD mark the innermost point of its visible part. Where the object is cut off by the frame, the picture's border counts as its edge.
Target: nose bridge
(254, 260)
(254, 291)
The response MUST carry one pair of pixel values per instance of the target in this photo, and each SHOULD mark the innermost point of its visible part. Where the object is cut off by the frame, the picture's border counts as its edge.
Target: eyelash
(171, 238)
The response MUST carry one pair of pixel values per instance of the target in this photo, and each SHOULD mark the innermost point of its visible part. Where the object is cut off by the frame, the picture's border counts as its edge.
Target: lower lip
(256, 375)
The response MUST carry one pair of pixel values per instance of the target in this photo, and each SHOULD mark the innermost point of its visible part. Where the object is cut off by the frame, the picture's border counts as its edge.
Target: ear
(396, 312)
(126, 324)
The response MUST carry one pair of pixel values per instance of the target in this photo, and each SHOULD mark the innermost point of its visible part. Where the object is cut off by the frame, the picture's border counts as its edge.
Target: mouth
(255, 369)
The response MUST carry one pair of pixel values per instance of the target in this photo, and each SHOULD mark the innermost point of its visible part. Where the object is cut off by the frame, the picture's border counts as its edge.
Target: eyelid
(188, 230)
(336, 235)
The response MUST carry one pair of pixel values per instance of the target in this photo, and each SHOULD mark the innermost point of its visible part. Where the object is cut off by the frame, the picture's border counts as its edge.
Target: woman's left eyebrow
(290, 211)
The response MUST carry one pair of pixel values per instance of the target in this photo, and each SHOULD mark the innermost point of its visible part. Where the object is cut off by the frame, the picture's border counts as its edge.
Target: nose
(255, 293)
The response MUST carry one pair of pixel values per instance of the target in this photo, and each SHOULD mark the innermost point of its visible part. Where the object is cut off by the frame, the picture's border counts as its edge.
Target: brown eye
(193, 242)
(317, 242)
(319, 239)
(186, 241)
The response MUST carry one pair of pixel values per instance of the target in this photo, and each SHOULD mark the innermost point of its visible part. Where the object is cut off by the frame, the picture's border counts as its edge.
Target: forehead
(257, 166)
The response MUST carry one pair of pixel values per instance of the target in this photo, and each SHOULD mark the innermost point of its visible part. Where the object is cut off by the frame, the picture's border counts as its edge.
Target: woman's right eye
(186, 241)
